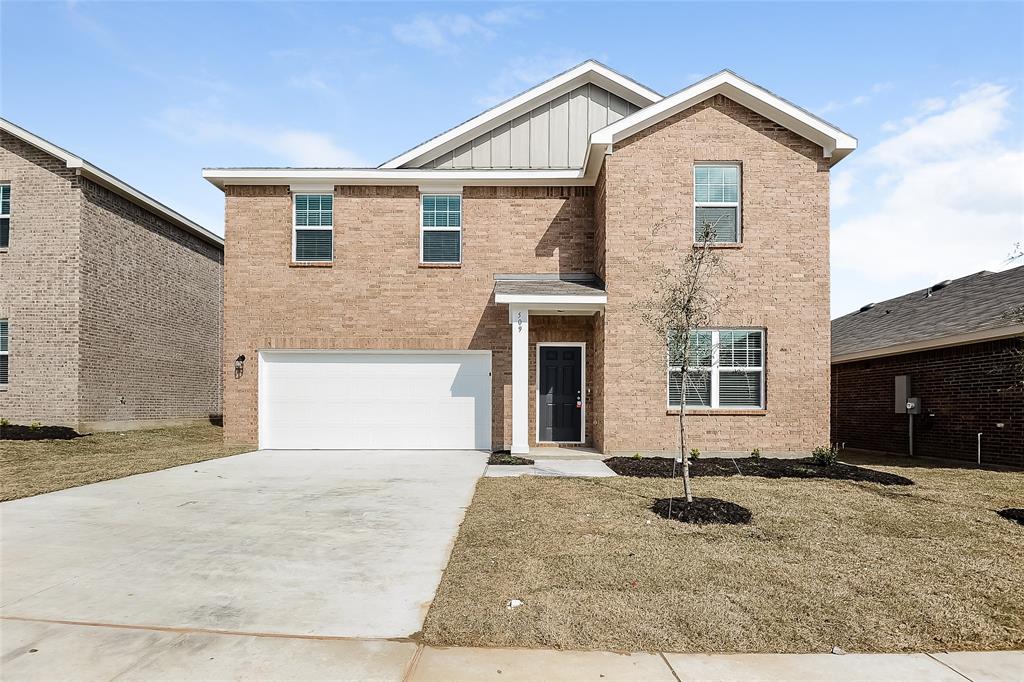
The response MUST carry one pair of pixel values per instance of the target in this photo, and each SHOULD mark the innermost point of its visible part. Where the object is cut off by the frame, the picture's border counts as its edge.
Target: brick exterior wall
(964, 390)
(377, 296)
(151, 306)
(115, 315)
(39, 286)
(778, 280)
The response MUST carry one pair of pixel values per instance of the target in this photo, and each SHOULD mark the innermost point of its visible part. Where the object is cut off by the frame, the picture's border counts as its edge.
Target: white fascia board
(101, 177)
(587, 72)
(929, 344)
(221, 177)
(567, 300)
(835, 143)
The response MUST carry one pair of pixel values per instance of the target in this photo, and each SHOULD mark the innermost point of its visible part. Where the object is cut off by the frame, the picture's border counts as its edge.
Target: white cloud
(447, 33)
(857, 100)
(941, 199)
(291, 146)
(312, 81)
(521, 73)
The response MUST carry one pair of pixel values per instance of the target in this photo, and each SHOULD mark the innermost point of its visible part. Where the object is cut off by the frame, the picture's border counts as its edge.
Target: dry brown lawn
(41, 466)
(825, 563)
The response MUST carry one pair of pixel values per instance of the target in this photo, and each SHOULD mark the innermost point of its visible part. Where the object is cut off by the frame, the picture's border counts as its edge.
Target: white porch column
(519, 316)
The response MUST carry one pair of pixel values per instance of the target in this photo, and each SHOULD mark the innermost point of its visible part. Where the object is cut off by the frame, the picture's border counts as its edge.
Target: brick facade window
(313, 228)
(4, 352)
(725, 369)
(5, 216)
(716, 202)
(441, 228)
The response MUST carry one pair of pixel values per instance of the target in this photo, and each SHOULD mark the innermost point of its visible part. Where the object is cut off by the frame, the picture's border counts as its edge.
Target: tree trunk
(682, 439)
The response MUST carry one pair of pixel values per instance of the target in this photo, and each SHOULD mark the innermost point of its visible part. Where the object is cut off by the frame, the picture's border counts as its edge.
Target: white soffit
(588, 72)
(835, 143)
(101, 177)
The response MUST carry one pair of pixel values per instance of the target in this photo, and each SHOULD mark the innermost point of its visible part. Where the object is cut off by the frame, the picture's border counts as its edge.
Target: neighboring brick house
(958, 343)
(480, 290)
(110, 302)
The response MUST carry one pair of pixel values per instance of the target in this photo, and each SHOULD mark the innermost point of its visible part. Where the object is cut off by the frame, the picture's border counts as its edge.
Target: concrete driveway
(298, 543)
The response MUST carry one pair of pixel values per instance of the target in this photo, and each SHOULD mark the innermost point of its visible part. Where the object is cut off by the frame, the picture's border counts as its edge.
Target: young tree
(684, 297)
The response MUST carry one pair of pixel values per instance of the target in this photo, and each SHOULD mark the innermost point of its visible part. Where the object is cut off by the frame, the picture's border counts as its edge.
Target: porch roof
(555, 289)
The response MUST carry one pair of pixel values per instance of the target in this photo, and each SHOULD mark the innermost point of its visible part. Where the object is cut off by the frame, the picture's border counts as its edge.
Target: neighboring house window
(5, 216)
(4, 353)
(725, 369)
(441, 228)
(313, 236)
(716, 202)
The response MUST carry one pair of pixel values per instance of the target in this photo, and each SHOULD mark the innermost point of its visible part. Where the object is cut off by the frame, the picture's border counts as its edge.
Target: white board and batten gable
(548, 126)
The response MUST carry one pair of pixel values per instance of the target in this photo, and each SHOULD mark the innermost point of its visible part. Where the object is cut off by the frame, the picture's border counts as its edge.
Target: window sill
(720, 412)
(721, 246)
(312, 264)
(441, 266)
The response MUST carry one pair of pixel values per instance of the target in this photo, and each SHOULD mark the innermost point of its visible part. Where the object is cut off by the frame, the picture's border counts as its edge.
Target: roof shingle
(970, 304)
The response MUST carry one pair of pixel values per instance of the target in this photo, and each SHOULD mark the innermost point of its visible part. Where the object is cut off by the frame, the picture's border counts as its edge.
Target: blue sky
(154, 91)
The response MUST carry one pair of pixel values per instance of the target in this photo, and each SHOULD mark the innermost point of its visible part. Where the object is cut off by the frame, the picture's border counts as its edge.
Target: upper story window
(725, 369)
(441, 228)
(313, 233)
(716, 202)
(4, 352)
(5, 216)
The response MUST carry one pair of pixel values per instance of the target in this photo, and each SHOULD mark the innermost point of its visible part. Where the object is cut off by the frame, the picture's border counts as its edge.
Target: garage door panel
(428, 400)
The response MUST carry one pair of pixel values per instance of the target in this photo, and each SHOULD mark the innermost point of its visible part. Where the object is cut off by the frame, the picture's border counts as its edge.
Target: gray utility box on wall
(902, 393)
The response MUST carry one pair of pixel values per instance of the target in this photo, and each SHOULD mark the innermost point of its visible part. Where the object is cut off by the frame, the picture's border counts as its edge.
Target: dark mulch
(505, 457)
(1012, 515)
(20, 432)
(764, 467)
(702, 510)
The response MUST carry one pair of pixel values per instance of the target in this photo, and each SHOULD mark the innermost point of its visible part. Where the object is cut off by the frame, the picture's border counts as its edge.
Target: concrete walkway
(560, 468)
(33, 650)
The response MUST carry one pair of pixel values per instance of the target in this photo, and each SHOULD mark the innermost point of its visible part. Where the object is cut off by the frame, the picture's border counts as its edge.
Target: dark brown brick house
(110, 302)
(957, 345)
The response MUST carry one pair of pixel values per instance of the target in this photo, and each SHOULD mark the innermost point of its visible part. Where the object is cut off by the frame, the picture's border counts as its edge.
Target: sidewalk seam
(413, 663)
(670, 668)
(203, 631)
(941, 662)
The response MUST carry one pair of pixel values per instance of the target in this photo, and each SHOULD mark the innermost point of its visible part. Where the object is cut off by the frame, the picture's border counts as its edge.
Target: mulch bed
(506, 458)
(1012, 515)
(21, 432)
(702, 510)
(765, 467)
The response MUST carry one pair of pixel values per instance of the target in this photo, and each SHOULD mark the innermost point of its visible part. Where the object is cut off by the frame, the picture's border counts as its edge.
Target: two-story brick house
(110, 302)
(480, 290)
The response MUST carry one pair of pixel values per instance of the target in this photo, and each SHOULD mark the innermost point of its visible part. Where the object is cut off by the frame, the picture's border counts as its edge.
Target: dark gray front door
(561, 402)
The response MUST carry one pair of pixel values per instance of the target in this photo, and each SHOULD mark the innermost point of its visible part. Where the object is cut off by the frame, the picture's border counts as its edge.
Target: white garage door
(429, 400)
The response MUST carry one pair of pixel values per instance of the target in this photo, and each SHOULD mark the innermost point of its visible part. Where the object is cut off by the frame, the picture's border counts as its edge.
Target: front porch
(556, 330)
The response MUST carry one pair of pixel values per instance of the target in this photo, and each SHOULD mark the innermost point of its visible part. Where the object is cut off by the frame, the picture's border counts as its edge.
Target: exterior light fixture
(239, 366)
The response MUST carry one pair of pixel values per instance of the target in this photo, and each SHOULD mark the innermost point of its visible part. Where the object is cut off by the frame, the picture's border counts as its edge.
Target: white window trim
(423, 228)
(7, 215)
(296, 227)
(7, 354)
(738, 204)
(715, 371)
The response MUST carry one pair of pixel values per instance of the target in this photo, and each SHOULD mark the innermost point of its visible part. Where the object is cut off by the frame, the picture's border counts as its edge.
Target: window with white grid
(724, 369)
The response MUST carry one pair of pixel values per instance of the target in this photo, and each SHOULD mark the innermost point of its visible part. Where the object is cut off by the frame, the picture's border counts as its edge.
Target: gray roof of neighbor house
(965, 310)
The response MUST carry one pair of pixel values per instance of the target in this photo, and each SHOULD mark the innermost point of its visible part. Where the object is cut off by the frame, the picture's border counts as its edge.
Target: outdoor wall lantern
(239, 366)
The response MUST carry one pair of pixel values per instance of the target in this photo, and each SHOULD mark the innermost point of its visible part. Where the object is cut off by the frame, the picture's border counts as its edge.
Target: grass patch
(824, 563)
(32, 467)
